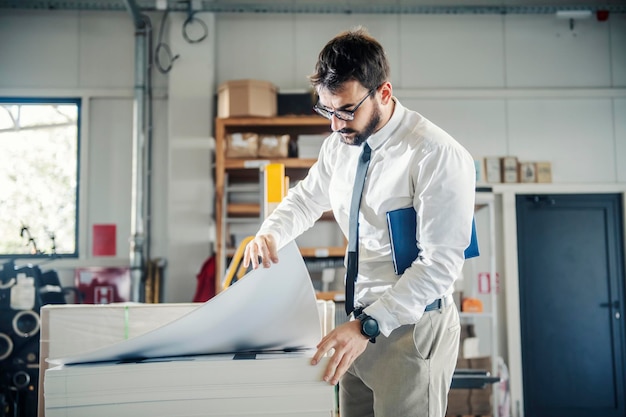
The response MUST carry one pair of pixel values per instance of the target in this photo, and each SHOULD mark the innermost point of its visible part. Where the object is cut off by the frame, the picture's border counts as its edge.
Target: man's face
(367, 116)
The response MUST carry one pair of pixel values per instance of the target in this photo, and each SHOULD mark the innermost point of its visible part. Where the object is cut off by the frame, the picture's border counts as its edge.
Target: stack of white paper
(282, 384)
(186, 367)
(72, 329)
(79, 328)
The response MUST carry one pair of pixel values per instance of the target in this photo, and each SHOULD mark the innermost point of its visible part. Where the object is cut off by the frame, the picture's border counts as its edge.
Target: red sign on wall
(484, 283)
(104, 240)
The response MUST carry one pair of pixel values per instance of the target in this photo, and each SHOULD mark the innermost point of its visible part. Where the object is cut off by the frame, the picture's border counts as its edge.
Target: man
(411, 317)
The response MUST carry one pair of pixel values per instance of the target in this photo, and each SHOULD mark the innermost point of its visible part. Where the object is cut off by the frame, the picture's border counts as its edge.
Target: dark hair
(351, 55)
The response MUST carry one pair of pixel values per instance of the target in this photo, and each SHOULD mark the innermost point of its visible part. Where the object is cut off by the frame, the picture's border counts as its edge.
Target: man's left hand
(348, 343)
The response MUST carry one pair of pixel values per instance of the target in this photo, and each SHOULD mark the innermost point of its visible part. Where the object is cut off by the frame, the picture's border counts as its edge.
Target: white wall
(90, 55)
(190, 226)
(522, 85)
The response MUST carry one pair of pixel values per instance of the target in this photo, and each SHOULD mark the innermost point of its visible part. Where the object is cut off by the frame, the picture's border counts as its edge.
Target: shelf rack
(229, 170)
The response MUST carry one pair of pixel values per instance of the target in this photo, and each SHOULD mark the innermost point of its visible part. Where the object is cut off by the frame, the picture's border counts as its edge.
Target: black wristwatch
(369, 327)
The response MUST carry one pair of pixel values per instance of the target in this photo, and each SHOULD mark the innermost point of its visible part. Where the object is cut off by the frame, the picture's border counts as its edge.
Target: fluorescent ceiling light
(573, 14)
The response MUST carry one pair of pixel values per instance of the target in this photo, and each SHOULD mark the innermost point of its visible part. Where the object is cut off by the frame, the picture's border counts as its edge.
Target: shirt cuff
(272, 232)
(387, 322)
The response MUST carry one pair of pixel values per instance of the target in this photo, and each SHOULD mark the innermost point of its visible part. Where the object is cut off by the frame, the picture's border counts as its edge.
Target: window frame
(78, 101)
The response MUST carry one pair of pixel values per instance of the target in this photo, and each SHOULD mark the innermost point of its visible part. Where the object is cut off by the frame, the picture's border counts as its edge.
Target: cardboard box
(480, 402)
(509, 169)
(462, 363)
(544, 172)
(274, 146)
(246, 98)
(481, 363)
(475, 401)
(527, 172)
(493, 170)
(242, 145)
(458, 402)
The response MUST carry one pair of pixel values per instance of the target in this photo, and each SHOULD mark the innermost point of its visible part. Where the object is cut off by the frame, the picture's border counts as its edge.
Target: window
(39, 144)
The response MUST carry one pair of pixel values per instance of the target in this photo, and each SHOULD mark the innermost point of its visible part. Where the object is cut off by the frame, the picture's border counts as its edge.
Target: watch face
(370, 327)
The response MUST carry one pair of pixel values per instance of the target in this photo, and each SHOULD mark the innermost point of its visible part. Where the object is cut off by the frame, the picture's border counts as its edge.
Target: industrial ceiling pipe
(138, 199)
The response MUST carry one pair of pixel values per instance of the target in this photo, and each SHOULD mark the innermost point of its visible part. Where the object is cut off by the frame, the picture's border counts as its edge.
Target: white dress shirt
(413, 162)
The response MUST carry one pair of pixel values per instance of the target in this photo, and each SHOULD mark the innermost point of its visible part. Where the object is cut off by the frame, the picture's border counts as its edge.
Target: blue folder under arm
(402, 225)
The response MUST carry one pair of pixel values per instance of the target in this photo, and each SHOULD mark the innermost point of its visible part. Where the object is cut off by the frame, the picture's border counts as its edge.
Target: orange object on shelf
(337, 296)
(471, 305)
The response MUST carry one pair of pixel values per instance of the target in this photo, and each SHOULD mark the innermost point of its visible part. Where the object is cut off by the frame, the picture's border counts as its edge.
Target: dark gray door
(571, 279)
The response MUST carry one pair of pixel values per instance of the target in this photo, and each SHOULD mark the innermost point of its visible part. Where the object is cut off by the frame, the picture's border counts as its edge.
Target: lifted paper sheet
(268, 309)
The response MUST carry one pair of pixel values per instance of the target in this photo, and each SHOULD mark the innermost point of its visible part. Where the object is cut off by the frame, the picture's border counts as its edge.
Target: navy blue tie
(353, 230)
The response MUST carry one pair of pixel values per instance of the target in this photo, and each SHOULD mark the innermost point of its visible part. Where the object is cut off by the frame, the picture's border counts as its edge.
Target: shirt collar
(378, 138)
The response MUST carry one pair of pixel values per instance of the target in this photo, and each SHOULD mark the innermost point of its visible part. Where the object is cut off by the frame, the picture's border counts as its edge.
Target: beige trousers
(406, 374)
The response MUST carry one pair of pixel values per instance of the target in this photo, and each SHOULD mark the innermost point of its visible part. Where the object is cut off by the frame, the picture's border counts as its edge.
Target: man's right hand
(263, 247)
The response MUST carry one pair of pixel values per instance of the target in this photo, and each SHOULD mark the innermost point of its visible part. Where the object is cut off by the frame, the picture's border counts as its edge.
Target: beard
(366, 132)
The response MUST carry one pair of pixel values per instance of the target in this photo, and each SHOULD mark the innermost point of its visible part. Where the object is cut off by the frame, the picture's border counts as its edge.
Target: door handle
(542, 199)
(614, 304)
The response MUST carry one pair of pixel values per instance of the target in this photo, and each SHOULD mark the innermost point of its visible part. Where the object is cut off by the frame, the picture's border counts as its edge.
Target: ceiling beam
(321, 7)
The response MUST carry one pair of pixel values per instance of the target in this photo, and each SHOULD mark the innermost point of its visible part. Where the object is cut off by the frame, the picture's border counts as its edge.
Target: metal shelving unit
(485, 202)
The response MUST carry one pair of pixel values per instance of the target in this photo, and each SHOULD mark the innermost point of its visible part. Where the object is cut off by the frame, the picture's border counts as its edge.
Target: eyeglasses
(346, 115)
